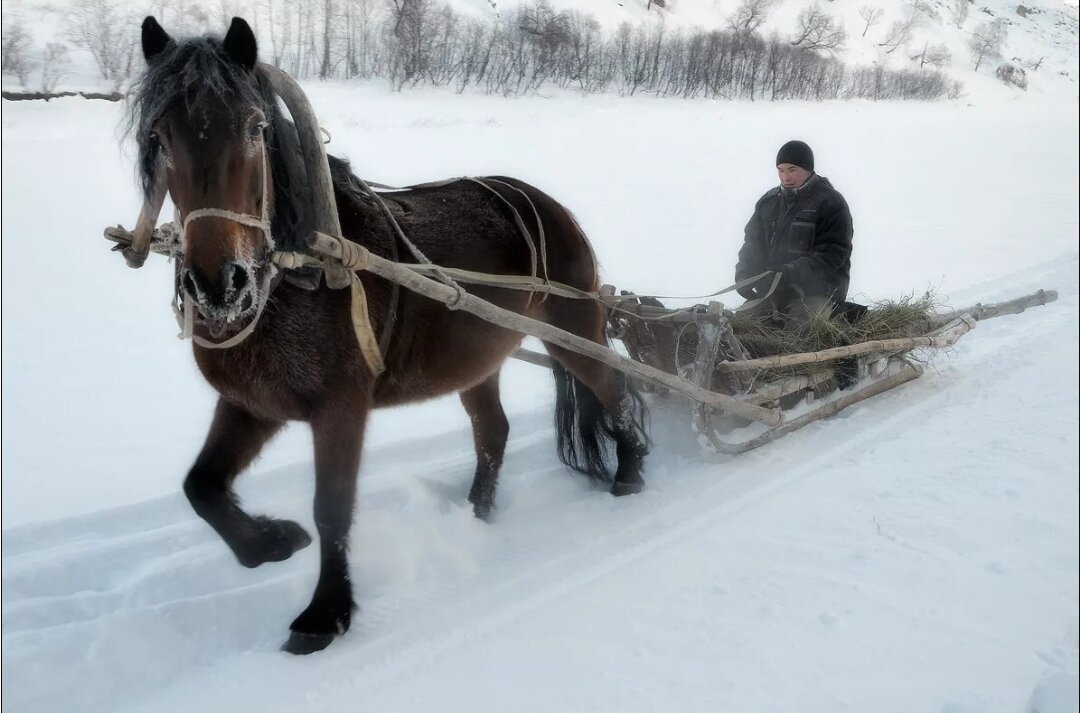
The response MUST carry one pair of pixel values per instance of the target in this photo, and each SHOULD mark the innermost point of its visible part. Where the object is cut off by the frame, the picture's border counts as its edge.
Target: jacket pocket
(802, 236)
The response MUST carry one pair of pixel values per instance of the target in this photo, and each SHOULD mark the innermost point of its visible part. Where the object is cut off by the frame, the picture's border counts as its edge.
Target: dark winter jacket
(806, 234)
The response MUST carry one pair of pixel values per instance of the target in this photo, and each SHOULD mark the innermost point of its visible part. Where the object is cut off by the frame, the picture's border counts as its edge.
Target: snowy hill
(1041, 37)
(1045, 29)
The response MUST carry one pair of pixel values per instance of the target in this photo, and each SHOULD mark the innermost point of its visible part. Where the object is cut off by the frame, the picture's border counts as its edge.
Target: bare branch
(819, 31)
(871, 15)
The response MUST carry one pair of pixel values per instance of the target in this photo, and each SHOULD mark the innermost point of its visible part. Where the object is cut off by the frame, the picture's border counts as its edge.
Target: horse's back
(473, 224)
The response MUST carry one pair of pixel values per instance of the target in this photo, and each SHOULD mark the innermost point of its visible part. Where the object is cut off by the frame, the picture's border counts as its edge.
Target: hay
(770, 335)
(767, 335)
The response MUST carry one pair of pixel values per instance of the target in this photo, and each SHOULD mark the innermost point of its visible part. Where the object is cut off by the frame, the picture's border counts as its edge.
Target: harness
(372, 349)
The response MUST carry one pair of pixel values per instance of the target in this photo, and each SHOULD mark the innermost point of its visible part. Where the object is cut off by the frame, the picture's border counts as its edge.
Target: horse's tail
(587, 433)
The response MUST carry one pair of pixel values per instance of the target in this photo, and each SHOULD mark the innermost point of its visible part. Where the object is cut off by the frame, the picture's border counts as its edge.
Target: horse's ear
(154, 39)
(240, 44)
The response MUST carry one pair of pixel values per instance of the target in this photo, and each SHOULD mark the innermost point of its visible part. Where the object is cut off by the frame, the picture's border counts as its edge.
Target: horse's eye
(256, 129)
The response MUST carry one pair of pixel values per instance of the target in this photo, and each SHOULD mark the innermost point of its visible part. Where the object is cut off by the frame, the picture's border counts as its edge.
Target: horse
(207, 124)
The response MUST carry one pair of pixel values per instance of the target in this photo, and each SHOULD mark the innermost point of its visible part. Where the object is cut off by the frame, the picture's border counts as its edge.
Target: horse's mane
(198, 72)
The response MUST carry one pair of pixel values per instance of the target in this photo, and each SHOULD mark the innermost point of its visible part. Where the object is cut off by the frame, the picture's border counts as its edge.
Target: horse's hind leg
(339, 436)
(490, 431)
(592, 382)
(235, 438)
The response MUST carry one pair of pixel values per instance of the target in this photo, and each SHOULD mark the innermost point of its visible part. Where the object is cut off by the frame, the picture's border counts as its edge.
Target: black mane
(196, 72)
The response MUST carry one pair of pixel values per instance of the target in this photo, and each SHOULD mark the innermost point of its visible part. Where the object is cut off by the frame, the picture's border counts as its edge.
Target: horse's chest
(264, 384)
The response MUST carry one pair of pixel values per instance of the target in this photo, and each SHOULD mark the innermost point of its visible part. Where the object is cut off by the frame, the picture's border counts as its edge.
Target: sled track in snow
(153, 573)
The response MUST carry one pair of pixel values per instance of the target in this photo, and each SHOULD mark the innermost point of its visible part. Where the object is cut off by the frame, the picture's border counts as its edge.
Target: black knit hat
(796, 153)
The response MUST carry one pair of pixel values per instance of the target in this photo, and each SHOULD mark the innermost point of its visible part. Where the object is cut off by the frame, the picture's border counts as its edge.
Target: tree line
(523, 50)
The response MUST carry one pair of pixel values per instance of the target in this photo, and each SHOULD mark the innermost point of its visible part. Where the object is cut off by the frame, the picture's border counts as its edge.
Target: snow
(919, 552)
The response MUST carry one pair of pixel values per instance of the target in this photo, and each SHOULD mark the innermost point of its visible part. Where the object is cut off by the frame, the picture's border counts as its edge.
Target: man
(800, 230)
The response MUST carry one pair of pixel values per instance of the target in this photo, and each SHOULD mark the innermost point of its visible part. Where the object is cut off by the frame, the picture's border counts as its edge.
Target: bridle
(183, 307)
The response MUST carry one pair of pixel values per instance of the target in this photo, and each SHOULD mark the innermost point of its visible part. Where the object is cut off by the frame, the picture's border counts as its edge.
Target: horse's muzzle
(223, 300)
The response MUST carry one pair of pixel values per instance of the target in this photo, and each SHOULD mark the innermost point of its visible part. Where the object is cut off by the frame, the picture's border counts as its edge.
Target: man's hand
(748, 292)
(756, 290)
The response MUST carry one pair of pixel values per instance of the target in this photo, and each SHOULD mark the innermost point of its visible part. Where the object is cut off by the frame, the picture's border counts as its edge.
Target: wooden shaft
(980, 312)
(323, 204)
(947, 337)
(135, 254)
(531, 357)
(360, 258)
(779, 389)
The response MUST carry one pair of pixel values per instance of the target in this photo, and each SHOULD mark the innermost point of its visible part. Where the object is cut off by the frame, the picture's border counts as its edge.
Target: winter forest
(529, 47)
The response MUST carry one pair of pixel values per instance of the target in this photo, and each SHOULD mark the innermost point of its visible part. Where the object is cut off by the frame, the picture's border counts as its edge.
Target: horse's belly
(458, 365)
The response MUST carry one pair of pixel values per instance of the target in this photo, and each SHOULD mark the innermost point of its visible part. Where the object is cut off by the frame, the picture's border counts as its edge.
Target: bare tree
(409, 28)
(750, 15)
(900, 31)
(871, 15)
(818, 30)
(54, 66)
(277, 28)
(328, 13)
(14, 61)
(360, 33)
(191, 19)
(987, 41)
(228, 9)
(937, 56)
(99, 27)
(959, 10)
(933, 55)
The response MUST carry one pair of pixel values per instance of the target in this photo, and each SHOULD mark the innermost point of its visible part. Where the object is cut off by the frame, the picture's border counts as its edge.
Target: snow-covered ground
(917, 553)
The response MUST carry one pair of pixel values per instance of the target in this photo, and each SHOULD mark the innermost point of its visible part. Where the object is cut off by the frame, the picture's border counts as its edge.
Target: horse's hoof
(482, 511)
(620, 488)
(304, 644)
(275, 541)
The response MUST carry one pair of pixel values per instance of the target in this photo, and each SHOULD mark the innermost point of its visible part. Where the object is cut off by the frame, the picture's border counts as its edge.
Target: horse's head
(201, 117)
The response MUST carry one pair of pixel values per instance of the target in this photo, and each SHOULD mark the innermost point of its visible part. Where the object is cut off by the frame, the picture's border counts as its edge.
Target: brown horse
(206, 116)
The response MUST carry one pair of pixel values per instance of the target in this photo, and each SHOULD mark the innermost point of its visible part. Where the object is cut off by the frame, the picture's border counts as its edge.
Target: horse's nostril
(236, 277)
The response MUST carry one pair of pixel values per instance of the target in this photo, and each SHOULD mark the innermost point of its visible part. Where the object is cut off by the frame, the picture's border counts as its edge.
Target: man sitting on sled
(800, 232)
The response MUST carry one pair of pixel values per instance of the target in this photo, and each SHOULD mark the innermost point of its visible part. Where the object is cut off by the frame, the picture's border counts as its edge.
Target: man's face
(792, 176)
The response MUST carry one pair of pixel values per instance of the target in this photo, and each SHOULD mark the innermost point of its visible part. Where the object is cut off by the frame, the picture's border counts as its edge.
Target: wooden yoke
(324, 211)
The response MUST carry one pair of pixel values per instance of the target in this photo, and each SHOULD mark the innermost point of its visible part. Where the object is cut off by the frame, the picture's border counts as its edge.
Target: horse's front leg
(236, 437)
(339, 436)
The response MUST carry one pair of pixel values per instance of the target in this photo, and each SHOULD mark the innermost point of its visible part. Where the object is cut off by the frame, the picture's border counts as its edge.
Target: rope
(522, 227)
(444, 273)
(365, 333)
(416, 252)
